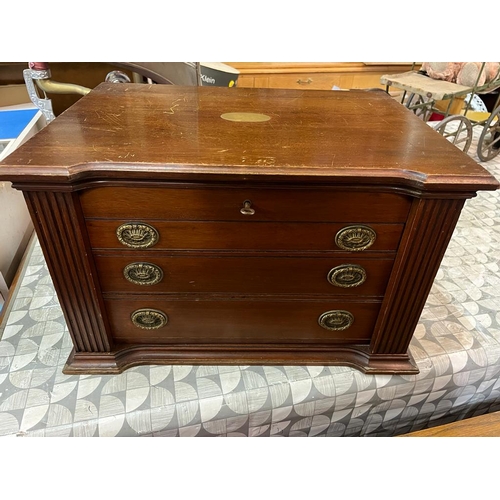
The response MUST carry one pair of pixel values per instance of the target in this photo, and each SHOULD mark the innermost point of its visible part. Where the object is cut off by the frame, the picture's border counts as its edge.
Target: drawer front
(263, 275)
(304, 81)
(159, 321)
(228, 204)
(158, 235)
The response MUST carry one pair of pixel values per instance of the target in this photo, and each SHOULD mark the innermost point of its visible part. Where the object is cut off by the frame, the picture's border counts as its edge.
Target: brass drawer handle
(137, 235)
(304, 82)
(336, 320)
(143, 273)
(247, 208)
(347, 276)
(149, 319)
(355, 238)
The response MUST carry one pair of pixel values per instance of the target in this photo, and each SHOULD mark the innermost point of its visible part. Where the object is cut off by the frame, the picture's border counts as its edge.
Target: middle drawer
(263, 275)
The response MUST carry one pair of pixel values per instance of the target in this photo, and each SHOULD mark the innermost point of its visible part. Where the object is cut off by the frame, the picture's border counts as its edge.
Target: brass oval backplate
(149, 319)
(245, 117)
(143, 273)
(336, 320)
(347, 276)
(137, 235)
(355, 238)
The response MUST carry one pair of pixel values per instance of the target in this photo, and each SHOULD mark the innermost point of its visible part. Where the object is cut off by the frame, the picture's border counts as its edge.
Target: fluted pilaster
(56, 219)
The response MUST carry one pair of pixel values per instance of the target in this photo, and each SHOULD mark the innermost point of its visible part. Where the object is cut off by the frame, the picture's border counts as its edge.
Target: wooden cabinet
(209, 225)
(315, 76)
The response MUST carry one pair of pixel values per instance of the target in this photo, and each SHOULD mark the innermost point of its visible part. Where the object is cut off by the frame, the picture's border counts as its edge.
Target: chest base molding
(355, 356)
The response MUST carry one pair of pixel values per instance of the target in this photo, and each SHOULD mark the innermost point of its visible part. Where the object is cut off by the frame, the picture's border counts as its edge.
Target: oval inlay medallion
(245, 117)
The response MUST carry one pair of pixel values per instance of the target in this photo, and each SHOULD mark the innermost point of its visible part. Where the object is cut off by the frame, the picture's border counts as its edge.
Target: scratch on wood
(174, 105)
(111, 119)
(270, 160)
(114, 130)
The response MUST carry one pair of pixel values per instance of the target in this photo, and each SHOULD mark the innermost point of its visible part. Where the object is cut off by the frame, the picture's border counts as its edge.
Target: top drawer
(234, 204)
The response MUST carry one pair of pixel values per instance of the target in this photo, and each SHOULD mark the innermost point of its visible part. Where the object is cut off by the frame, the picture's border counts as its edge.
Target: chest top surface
(157, 132)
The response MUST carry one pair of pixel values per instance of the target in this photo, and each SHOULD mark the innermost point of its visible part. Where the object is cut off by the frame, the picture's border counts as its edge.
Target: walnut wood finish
(246, 216)
(244, 274)
(140, 132)
(62, 238)
(183, 202)
(240, 320)
(414, 271)
(263, 236)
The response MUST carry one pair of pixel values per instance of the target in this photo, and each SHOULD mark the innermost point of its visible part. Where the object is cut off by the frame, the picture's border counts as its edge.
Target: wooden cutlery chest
(206, 225)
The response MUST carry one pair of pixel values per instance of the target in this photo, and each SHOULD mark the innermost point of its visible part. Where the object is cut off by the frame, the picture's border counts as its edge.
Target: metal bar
(53, 87)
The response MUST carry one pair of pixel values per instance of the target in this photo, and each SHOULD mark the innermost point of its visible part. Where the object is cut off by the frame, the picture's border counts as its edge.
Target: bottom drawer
(240, 321)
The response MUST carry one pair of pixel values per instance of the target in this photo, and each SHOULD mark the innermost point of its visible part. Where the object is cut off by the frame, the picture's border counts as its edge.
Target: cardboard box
(13, 95)
(217, 74)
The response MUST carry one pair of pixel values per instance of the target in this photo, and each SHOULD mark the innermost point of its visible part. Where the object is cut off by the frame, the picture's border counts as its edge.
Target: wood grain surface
(242, 287)
(243, 274)
(213, 320)
(268, 236)
(482, 426)
(183, 202)
(164, 130)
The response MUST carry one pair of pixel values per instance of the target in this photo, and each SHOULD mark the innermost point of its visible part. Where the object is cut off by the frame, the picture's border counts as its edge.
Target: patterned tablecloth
(456, 346)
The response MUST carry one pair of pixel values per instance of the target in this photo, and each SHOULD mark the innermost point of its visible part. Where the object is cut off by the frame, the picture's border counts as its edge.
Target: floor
(456, 345)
